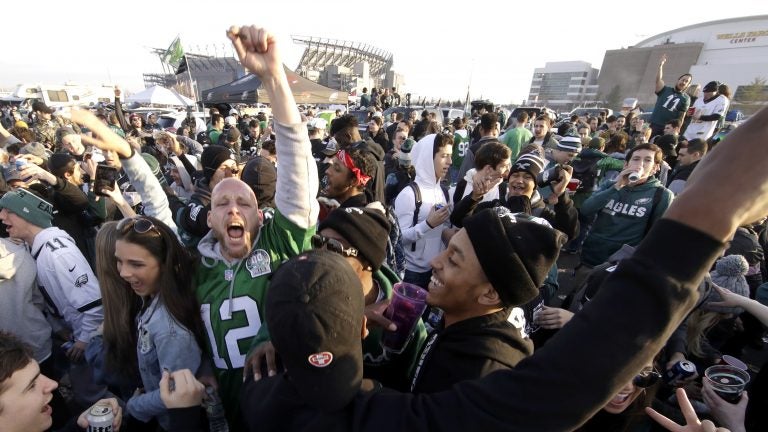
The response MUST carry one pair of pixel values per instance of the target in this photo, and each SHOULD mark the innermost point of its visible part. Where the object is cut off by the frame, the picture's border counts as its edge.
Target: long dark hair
(120, 307)
(175, 280)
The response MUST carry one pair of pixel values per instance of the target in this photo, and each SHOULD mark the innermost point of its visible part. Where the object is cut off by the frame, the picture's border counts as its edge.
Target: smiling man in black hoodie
(497, 262)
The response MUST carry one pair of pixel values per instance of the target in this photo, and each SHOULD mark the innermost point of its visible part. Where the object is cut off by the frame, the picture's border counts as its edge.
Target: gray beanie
(728, 274)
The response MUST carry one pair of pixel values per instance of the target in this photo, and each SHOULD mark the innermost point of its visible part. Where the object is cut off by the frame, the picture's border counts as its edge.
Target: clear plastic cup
(727, 381)
(408, 303)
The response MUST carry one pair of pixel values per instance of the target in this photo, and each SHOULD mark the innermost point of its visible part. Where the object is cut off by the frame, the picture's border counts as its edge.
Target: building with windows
(733, 51)
(563, 85)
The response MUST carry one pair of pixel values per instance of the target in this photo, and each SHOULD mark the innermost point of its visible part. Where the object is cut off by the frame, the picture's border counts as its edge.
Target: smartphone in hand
(106, 176)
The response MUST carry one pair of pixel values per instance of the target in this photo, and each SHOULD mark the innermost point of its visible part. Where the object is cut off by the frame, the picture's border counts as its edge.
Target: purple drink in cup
(408, 303)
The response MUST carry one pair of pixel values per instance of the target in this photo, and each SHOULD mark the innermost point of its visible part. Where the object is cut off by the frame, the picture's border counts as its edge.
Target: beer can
(679, 371)
(633, 176)
(100, 418)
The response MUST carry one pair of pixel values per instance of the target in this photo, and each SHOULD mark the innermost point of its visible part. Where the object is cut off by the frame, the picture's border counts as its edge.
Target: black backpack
(585, 169)
(203, 138)
(417, 199)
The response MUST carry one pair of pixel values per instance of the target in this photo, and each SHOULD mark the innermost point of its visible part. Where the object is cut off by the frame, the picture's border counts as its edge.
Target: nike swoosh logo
(72, 269)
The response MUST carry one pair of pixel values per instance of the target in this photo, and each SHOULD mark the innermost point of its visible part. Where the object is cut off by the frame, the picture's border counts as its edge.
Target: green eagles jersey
(232, 300)
(670, 104)
(460, 146)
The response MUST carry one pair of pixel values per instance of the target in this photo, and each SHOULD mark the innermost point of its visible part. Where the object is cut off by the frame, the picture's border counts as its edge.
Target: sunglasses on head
(646, 378)
(139, 224)
(333, 245)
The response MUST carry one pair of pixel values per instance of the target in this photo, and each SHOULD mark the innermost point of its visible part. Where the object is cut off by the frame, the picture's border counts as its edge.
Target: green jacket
(232, 296)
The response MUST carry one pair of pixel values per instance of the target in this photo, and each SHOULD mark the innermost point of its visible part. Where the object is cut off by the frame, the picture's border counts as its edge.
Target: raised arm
(754, 307)
(138, 172)
(119, 111)
(660, 72)
(297, 183)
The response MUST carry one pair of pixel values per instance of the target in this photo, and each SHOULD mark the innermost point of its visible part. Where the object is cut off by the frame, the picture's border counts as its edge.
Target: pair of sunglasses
(646, 378)
(333, 245)
(139, 224)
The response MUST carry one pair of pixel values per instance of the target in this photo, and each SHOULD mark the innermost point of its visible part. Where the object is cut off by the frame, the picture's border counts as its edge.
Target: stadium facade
(345, 65)
(733, 51)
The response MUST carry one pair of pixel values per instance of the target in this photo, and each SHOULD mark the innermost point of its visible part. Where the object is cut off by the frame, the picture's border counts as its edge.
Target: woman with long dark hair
(152, 320)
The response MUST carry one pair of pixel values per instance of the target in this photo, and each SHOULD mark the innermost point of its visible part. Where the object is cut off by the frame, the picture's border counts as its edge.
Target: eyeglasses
(140, 225)
(646, 378)
(333, 245)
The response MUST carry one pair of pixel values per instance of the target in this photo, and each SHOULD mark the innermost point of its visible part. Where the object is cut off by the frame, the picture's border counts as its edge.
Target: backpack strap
(656, 200)
(417, 199)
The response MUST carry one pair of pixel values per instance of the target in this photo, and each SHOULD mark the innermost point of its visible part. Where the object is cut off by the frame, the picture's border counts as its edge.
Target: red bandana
(347, 161)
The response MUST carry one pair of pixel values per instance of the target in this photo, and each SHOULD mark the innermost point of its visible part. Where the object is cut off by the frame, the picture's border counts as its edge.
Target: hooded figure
(182, 184)
(420, 240)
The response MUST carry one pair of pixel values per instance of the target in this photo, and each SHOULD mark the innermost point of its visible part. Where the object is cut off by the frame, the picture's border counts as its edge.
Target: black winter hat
(531, 163)
(213, 156)
(366, 229)
(667, 144)
(314, 312)
(260, 174)
(515, 251)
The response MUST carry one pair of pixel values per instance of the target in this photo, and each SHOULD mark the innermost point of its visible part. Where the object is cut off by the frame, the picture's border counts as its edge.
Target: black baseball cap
(314, 311)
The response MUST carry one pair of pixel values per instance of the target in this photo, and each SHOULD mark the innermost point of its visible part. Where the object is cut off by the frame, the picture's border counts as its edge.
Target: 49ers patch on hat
(321, 359)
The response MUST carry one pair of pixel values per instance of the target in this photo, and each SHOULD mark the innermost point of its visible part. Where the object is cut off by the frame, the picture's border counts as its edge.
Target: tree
(614, 97)
(753, 92)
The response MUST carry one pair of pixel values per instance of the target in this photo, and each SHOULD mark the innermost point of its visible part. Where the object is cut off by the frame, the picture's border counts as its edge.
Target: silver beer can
(100, 418)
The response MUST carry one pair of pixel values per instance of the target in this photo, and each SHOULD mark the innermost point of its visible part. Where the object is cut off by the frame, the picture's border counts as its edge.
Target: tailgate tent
(157, 95)
(248, 90)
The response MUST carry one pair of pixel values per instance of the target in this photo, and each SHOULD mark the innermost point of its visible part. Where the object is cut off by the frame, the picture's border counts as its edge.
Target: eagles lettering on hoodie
(623, 217)
(638, 209)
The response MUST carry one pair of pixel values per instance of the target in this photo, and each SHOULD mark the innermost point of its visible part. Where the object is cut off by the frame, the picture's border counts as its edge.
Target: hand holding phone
(106, 176)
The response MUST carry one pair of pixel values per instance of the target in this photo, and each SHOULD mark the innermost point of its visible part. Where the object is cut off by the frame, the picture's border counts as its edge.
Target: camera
(549, 176)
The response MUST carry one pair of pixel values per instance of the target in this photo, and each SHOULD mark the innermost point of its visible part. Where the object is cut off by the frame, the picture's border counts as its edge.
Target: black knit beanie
(367, 230)
(260, 174)
(213, 156)
(514, 250)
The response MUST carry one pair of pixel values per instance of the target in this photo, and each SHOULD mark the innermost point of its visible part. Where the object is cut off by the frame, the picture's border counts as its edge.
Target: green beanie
(29, 207)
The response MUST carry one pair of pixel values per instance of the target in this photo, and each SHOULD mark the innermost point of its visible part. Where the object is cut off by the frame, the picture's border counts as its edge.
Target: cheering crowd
(235, 276)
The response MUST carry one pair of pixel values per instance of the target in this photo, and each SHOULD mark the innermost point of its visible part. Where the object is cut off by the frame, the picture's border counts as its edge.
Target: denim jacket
(163, 343)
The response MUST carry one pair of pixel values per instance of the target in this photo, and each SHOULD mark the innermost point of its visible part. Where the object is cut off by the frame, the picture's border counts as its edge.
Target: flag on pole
(466, 101)
(183, 66)
(174, 53)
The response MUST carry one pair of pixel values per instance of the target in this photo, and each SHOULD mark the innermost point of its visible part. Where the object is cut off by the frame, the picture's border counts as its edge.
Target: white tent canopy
(157, 95)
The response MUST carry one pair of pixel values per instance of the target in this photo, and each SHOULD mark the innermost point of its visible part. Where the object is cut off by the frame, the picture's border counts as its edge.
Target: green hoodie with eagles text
(623, 217)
